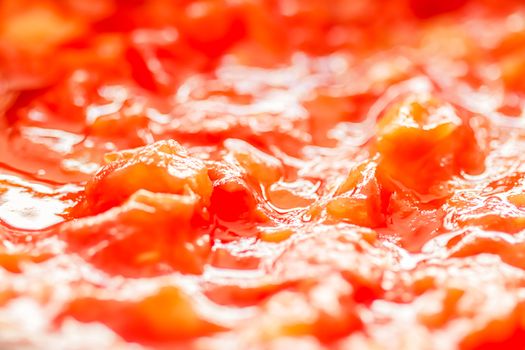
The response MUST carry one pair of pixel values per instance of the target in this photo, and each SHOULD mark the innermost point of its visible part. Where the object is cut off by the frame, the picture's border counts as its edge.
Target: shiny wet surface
(297, 174)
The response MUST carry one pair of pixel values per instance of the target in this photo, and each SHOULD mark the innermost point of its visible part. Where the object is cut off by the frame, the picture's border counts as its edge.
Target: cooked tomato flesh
(262, 174)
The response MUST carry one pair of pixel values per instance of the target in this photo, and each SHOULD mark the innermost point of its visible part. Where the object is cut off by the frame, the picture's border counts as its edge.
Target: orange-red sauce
(262, 174)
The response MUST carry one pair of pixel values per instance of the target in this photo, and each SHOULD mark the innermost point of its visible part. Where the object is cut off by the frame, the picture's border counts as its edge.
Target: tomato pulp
(262, 174)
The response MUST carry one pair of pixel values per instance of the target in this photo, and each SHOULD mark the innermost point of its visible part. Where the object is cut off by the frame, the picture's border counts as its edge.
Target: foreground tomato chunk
(162, 167)
(166, 315)
(123, 241)
(422, 142)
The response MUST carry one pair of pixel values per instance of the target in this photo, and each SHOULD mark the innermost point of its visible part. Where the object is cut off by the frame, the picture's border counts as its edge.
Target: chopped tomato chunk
(421, 141)
(359, 199)
(164, 167)
(114, 240)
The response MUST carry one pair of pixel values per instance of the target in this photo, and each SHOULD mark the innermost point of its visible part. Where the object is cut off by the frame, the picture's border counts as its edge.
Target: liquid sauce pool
(262, 174)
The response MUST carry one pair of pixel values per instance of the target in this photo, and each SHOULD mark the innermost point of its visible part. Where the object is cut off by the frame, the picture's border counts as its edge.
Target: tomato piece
(415, 222)
(293, 195)
(512, 68)
(275, 235)
(13, 262)
(234, 198)
(38, 28)
(244, 296)
(358, 200)
(123, 241)
(163, 167)
(169, 314)
(259, 166)
(508, 248)
(224, 26)
(262, 174)
(489, 212)
(159, 59)
(302, 313)
(446, 312)
(127, 123)
(503, 333)
(421, 143)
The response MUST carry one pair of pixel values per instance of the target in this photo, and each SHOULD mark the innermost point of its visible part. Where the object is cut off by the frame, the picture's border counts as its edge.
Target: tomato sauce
(262, 174)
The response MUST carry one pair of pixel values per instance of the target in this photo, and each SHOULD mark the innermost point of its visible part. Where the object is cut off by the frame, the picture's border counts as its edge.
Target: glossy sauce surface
(262, 174)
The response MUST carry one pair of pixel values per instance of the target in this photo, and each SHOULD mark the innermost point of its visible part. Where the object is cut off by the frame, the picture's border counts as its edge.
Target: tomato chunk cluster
(262, 174)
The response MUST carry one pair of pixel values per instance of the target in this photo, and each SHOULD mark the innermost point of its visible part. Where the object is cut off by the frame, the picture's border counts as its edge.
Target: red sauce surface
(262, 174)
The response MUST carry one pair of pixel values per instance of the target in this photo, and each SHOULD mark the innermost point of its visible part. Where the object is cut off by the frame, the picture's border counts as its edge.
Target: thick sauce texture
(262, 174)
